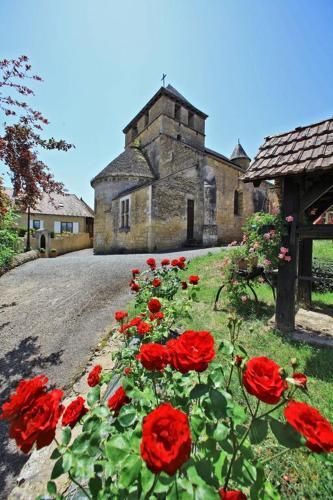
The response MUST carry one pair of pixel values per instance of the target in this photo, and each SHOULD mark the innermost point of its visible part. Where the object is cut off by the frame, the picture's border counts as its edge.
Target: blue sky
(256, 67)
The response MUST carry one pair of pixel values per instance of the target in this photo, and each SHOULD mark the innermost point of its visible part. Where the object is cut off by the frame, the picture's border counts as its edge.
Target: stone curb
(35, 474)
(20, 259)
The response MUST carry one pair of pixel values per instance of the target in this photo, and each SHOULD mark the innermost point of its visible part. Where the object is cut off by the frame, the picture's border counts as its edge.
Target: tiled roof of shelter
(58, 204)
(171, 92)
(302, 150)
(130, 162)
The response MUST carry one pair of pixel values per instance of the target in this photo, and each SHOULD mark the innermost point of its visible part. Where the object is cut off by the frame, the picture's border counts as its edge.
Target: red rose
(194, 280)
(153, 357)
(262, 379)
(143, 327)
(184, 285)
(118, 400)
(26, 393)
(165, 262)
(124, 327)
(181, 264)
(159, 316)
(166, 439)
(191, 351)
(156, 282)
(154, 305)
(300, 379)
(182, 259)
(135, 287)
(94, 376)
(135, 272)
(38, 423)
(127, 371)
(231, 494)
(74, 411)
(313, 426)
(238, 360)
(151, 263)
(120, 315)
(135, 321)
(174, 262)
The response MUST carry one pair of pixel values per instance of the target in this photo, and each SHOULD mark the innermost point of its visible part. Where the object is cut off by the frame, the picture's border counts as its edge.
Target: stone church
(167, 190)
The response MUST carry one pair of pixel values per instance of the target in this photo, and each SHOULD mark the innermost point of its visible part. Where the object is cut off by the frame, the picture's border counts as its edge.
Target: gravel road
(53, 313)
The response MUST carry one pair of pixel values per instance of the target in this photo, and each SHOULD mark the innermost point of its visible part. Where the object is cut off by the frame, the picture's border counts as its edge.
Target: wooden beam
(286, 285)
(304, 288)
(316, 191)
(316, 232)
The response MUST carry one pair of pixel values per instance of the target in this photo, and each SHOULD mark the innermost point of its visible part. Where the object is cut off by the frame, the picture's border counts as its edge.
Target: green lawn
(300, 474)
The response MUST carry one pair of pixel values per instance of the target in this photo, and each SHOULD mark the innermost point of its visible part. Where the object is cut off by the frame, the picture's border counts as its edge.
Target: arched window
(238, 203)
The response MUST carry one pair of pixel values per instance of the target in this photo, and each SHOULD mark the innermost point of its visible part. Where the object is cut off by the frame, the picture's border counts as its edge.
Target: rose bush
(187, 417)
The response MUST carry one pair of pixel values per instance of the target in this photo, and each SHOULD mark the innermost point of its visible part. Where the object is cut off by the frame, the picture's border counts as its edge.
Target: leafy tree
(20, 140)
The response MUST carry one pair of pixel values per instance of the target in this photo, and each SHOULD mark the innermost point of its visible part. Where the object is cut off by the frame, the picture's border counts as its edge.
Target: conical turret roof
(238, 152)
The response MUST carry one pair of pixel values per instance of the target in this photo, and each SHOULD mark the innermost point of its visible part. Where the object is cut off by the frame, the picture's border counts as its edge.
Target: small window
(36, 224)
(191, 119)
(179, 137)
(238, 203)
(146, 118)
(124, 213)
(177, 111)
(66, 227)
(134, 131)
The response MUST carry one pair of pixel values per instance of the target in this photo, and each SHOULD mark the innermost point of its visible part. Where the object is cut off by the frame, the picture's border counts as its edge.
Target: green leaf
(130, 470)
(221, 432)
(218, 402)
(198, 391)
(101, 411)
(226, 347)
(51, 488)
(67, 461)
(93, 395)
(285, 434)
(95, 485)
(81, 444)
(55, 454)
(57, 469)
(127, 416)
(258, 431)
(147, 479)
(117, 448)
(163, 483)
(66, 435)
(216, 378)
(243, 472)
(204, 492)
(197, 424)
(237, 413)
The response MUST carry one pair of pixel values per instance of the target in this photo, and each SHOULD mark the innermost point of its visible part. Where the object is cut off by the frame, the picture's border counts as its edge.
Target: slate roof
(57, 204)
(170, 91)
(131, 162)
(302, 150)
(238, 152)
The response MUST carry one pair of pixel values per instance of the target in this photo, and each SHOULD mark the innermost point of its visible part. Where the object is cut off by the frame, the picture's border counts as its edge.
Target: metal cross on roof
(164, 75)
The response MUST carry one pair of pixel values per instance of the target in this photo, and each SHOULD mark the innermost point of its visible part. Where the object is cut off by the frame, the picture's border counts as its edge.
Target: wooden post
(286, 285)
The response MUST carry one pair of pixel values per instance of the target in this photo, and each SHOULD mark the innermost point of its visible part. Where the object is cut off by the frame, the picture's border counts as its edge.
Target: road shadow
(23, 362)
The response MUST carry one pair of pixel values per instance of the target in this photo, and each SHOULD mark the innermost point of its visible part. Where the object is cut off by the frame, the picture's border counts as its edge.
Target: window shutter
(75, 227)
(31, 223)
(57, 227)
(41, 224)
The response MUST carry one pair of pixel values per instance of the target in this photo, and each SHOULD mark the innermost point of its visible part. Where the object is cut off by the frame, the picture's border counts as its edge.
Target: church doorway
(190, 220)
(43, 242)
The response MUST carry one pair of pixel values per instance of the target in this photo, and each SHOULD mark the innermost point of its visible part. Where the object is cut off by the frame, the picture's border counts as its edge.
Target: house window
(36, 224)
(177, 111)
(191, 119)
(66, 227)
(146, 118)
(179, 137)
(238, 203)
(124, 213)
(134, 131)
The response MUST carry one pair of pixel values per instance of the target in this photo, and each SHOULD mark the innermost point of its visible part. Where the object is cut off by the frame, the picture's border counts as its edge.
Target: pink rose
(290, 218)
